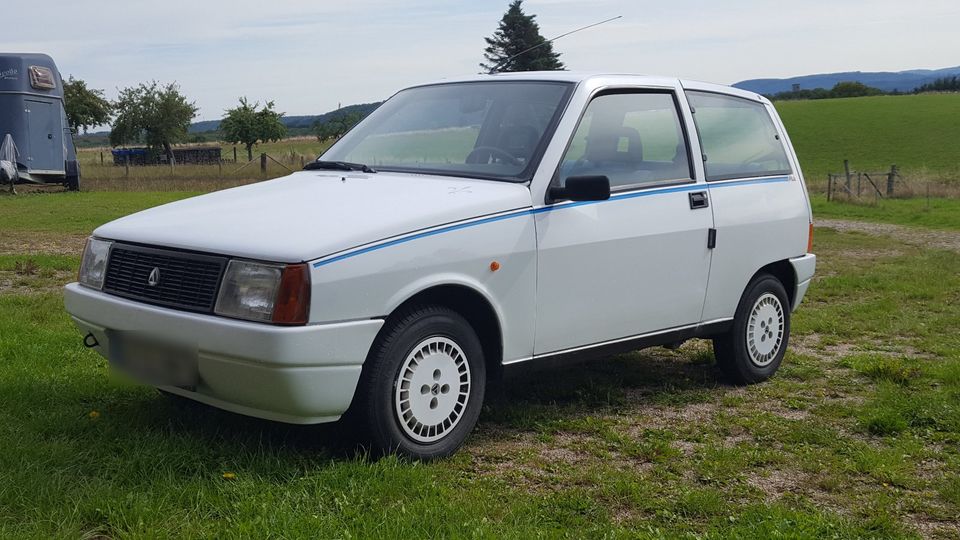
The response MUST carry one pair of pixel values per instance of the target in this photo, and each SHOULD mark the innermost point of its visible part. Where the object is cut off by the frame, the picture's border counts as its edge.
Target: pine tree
(519, 32)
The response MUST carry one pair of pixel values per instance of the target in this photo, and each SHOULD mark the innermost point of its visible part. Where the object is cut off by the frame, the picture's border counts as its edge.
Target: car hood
(311, 214)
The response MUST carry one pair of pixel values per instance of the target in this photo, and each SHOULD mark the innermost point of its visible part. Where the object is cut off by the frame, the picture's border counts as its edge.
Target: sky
(310, 56)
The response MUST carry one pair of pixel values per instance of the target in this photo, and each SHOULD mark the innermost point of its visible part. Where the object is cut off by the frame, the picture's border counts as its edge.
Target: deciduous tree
(85, 107)
(853, 89)
(156, 115)
(337, 125)
(247, 125)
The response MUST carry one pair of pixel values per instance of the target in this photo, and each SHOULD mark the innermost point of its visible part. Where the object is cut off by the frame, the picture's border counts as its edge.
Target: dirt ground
(928, 238)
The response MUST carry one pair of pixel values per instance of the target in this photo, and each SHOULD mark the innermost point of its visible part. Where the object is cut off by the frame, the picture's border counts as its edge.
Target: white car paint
(251, 368)
(609, 253)
(571, 275)
(310, 214)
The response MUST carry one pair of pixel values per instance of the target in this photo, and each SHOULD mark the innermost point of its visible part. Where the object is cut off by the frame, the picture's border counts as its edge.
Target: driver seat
(606, 147)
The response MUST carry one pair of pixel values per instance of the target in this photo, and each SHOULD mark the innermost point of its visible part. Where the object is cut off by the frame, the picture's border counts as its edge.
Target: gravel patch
(915, 236)
(40, 243)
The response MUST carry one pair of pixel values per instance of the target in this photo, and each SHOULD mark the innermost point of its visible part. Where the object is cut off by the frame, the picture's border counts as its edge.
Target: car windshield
(496, 130)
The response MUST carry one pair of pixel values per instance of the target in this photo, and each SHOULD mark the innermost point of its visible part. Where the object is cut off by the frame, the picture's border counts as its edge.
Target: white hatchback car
(462, 227)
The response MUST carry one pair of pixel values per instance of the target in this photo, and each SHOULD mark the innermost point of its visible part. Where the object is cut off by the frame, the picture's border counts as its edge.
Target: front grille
(186, 281)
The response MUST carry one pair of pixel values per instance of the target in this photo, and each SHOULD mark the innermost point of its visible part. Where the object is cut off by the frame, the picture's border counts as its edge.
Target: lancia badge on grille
(154, 278)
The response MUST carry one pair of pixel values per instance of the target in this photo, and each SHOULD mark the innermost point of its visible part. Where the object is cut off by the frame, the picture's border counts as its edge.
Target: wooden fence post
(126, 166)
(846, 171)
(101, 158)
(263, 163)
(234, 154)
(829, 185)
(890, 177)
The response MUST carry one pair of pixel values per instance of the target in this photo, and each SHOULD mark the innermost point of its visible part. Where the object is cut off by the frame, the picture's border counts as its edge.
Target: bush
(840, 90)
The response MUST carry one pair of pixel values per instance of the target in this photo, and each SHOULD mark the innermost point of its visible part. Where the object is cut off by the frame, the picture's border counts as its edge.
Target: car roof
(602, 78)
(558, 76)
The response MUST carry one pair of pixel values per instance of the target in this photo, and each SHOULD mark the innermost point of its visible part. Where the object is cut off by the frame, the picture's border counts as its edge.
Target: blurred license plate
(153, 361)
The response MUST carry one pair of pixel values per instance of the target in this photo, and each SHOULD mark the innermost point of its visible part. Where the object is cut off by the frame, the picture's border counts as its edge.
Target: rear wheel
(423, 385)
(754, 347)
(72, 183)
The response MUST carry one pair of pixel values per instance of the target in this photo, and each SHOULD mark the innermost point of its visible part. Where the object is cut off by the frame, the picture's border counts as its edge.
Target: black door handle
(698, 199)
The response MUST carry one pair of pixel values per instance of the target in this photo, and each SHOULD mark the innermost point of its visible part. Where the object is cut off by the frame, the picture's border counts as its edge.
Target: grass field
(920, 133)
(858, 436)
(286, 156)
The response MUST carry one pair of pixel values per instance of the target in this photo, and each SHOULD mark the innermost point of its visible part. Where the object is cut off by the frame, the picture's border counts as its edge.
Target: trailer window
(737, 136)
(42, 78)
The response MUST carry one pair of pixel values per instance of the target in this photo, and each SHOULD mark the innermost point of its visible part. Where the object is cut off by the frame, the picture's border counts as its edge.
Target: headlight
(93, 266)
(265, 292)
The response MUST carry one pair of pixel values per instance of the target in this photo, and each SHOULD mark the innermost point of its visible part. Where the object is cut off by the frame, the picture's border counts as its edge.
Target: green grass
(858, 436)
(920, 133)
(935, 213)
(75, 212)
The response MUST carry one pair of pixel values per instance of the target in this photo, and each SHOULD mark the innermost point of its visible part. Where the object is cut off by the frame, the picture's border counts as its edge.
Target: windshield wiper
(337, 166)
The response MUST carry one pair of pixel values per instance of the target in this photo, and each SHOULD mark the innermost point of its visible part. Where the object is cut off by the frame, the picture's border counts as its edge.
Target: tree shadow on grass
(526, 400)
(226, 433)
(652, 377)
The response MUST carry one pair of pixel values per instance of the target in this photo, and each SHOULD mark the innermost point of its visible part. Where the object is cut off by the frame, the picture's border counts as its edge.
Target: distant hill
(294, 122)
(904, 81)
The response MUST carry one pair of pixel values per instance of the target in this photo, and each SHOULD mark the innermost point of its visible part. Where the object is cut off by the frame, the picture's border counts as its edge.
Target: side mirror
(582, 188)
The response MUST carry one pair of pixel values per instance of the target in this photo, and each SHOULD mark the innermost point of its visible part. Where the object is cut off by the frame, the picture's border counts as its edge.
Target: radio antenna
(525, 51)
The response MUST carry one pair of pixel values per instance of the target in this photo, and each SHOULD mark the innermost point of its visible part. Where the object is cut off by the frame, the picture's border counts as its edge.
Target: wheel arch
(474, 306)
(784, 272)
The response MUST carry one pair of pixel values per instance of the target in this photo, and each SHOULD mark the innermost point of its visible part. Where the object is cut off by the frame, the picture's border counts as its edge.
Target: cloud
(309, 56)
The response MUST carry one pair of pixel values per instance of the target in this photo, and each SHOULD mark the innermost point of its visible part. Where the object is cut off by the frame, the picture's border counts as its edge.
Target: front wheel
(423, 384)
(753, 349)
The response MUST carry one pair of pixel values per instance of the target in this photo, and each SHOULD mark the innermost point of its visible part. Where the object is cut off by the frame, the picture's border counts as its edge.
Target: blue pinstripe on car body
(553, 208)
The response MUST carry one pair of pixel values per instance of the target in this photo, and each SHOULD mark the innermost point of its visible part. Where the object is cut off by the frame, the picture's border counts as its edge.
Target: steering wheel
(474, 155)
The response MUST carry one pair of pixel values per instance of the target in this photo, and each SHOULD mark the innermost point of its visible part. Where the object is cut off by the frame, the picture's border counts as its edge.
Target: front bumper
(803, 268)
(301, 375)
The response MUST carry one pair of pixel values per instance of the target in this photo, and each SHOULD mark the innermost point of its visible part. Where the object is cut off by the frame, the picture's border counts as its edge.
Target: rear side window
(737, 136)
(634, 139)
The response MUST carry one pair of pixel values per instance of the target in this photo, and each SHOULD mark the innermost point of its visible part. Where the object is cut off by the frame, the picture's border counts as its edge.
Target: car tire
(753, 349)
(72, 183)
(422, 386)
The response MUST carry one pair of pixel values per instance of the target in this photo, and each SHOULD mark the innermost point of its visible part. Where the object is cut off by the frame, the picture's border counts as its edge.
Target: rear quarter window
(737, 136)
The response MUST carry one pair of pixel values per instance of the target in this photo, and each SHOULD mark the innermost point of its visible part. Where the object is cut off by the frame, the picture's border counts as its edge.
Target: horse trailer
(35, 138)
